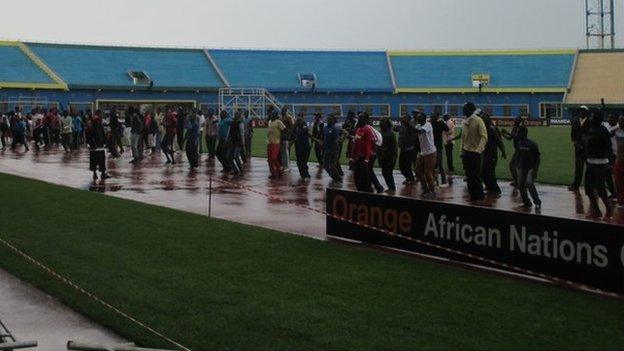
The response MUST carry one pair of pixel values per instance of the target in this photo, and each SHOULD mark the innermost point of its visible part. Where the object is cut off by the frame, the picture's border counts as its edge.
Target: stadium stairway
(37, 61)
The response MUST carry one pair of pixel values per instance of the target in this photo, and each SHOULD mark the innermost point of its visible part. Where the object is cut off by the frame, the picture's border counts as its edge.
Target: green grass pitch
(212, 284)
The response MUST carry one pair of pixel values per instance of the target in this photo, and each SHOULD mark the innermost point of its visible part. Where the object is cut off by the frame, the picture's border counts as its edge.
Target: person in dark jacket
(527, 166)
(388, 154)
(181, 127)
(236, 144)
(490, 157)
(318, 128)
(192, 141)
(597, 149)
(578, 134)
(96, 139)
(136, 128)
(331, 150)
(407, 149)
(302, 147)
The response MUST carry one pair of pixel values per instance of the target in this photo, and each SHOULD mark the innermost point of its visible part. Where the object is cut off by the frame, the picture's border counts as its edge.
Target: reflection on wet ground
(237, 199)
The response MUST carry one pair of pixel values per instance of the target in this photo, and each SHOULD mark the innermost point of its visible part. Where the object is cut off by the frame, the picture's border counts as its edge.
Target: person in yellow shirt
(474, 138)
(274, 135)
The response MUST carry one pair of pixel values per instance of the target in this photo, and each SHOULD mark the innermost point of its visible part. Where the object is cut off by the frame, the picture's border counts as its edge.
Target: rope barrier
(90, 295)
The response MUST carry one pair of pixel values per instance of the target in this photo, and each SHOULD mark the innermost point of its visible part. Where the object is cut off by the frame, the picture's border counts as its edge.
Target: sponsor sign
(583, 252)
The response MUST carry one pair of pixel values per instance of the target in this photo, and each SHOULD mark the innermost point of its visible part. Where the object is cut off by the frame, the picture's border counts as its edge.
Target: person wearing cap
(474, 139)
(578, 134)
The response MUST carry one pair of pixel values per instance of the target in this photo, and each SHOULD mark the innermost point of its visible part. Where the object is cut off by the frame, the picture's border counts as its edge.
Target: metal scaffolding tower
(600, 24)
(255, 100)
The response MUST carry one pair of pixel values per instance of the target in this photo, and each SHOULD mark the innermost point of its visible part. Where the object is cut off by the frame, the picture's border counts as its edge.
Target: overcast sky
(362, 24)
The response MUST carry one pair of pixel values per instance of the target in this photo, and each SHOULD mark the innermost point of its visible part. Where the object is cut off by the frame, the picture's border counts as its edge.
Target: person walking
(249, 132)
(318, 128)
(66, 132)
(449, 143)
(170, 127)
(490, 157)
(192, 136)
(96, 139)
(19, 133)
(474, 139)
(78, 130)
(137, 132)
(612, 126)
(211, 129)
(236, 144)
(302, 147)
(618, 168)
(597, 149)
(440, 128)
(388, 154)
(516, 130)
(578, 134)
(286, 140)
(407, 149)
(180, 128)
(223, 135)
(274, 136)
(527, 169)
(361, 156)
(426, 161)
(331, 150)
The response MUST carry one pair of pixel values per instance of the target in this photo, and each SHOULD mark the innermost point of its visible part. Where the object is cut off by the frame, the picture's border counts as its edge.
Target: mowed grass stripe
(212, 284)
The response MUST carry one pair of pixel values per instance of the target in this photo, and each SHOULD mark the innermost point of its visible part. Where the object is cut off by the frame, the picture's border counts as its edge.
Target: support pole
(210, 196)
(18, 345)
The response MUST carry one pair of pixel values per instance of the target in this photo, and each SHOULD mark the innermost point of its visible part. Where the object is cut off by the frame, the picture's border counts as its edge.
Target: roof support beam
(216, 68)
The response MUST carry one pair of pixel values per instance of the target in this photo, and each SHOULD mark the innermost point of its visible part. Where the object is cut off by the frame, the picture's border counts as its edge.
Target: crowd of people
(599, 158)
(418, 143)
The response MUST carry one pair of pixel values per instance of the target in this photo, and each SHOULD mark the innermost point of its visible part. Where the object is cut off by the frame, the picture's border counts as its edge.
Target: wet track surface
(281, 204)
(33, 315)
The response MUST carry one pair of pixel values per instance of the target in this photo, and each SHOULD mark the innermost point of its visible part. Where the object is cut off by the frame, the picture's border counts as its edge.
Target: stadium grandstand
(542, 84)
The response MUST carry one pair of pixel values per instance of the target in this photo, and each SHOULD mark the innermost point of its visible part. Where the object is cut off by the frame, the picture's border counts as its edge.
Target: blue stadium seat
(16, 67)
(107, 67)
(279, 70)
(506, 71)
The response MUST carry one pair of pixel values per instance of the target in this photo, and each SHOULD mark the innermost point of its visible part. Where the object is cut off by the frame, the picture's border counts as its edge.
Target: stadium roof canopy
(17, 70)
(335, 71)
(109, 67)
(508, 71)
(598, 75)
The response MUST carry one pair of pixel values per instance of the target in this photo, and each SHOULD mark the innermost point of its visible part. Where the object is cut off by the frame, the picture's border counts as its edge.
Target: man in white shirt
(426, 161)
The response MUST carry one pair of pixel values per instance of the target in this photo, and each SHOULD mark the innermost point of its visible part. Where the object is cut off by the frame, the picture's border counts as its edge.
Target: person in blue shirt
(77, 130)
(302, 147)
(19, 134)
(222, 147)
(192, 141)
(331, 149)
